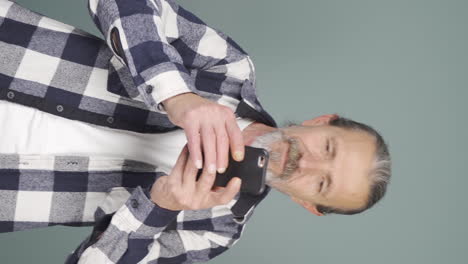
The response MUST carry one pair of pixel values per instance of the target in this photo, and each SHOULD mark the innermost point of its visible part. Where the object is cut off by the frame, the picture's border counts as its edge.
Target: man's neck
(255, 129)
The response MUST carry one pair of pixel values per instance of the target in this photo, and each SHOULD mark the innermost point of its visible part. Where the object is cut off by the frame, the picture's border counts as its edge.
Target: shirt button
(149, 89)
(134, 203)
(110, 119)
(10, 95)
(60, 108)
(160, 107)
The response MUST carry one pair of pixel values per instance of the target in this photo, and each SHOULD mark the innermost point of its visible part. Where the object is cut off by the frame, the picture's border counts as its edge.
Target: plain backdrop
(398, 65)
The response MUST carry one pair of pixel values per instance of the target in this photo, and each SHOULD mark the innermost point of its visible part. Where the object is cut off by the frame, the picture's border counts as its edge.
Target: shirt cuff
(143, 216)
(160, 105)
(166, 80)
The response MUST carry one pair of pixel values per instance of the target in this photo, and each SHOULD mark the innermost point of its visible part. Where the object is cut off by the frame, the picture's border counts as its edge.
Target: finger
(209, 148)
(189, 176)
(218, 189)
(207, 178)
(230, 191)
(205, 183)
(178, 169)
(193, 138)
(235, 139)
(222, 148)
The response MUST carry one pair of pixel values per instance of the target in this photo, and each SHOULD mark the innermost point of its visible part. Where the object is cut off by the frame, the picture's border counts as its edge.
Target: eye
(328, 147)
(321, 186)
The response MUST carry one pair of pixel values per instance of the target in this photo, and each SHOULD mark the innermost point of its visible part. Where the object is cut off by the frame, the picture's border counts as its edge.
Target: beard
(292, 158)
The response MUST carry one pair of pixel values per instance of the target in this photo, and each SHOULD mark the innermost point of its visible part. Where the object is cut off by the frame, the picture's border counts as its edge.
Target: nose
(312, 164)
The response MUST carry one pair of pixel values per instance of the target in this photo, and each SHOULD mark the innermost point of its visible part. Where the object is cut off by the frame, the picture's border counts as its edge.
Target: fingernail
(212, 169)
(198, 164)
(239, 155)
(221, 170)
(238, 181)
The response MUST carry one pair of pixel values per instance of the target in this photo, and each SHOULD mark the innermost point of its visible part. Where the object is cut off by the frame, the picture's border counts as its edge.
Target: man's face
(320, 164)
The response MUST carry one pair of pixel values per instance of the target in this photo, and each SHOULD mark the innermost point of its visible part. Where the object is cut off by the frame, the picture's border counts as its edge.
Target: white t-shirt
(26, 130)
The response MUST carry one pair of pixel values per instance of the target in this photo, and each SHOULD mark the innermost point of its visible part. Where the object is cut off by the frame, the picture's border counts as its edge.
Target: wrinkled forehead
(355, 160)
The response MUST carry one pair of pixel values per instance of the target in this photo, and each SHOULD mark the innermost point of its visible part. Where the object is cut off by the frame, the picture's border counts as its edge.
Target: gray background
(399, 65)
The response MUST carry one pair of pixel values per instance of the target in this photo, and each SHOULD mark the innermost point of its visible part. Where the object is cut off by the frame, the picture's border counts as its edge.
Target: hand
(180, 190)
(209, 124)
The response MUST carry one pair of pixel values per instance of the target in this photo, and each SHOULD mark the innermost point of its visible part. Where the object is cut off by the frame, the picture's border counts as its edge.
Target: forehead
(354, 160)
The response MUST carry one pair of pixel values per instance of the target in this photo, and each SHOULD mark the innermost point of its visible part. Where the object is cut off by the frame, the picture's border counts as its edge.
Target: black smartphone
(252, 171)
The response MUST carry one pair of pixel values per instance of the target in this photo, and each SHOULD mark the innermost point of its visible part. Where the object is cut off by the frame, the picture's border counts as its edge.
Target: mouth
(285, 157)
(290, 158)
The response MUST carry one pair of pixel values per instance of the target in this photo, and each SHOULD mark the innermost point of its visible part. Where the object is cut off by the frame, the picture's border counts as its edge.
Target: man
(140, 212)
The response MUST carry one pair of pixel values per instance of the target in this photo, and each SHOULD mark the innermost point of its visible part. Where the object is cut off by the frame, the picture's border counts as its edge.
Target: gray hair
(379, 174)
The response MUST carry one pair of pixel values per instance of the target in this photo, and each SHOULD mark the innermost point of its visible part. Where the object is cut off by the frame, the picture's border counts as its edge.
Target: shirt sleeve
(142, 232)
(125, 212)
(161, 43)
(152, 61)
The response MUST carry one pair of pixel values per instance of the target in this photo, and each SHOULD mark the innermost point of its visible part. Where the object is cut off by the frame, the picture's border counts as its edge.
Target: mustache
(293, 156)
(293, 153)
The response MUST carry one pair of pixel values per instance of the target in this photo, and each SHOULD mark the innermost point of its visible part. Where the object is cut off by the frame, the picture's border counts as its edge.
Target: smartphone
(252, 171)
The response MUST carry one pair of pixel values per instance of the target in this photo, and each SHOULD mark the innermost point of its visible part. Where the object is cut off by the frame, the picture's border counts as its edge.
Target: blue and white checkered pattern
(113, 195)
(62, 70)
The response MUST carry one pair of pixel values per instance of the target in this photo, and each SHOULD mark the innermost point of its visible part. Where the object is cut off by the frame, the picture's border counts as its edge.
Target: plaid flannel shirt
(162, 50)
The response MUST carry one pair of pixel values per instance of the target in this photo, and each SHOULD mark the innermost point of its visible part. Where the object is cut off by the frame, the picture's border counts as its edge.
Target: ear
(308, 206)
(320, 120)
